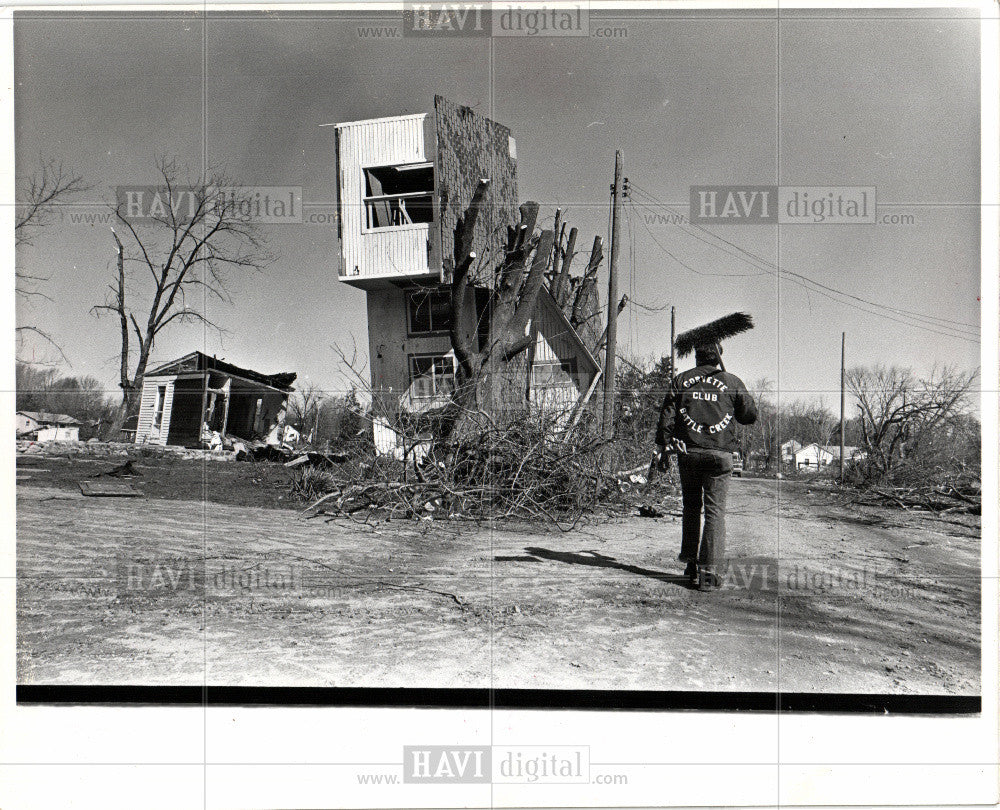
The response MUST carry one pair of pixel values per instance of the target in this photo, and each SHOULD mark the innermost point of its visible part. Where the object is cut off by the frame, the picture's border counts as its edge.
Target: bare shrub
(310, 483)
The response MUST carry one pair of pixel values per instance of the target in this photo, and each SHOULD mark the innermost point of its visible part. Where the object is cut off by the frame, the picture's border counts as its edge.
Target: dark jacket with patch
(703, 407)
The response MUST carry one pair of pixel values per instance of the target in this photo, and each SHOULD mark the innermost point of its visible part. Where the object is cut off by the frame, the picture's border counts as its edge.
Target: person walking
(698, 421)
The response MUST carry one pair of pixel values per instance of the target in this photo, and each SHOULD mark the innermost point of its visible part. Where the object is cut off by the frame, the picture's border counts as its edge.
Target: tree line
(44, 388)
(908, 428)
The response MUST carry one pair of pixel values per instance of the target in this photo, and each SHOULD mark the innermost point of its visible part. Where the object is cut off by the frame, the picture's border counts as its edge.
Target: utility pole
(612, 344)
(843, 380)
(673, 336)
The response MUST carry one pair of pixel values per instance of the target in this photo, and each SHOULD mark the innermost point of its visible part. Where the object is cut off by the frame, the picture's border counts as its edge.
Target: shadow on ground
(591, 558)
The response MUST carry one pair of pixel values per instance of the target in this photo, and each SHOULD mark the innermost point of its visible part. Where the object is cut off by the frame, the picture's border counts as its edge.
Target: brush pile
(525, 471)
(943, 499)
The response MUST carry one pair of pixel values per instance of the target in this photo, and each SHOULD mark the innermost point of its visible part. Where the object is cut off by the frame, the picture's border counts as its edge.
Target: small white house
(47, 427)
(788, 450)
(812, 456)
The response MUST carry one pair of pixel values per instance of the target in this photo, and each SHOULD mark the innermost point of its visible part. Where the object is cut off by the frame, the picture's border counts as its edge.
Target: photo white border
(174, 757)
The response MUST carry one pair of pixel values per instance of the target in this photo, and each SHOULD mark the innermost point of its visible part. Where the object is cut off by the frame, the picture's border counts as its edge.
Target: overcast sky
(690, 99)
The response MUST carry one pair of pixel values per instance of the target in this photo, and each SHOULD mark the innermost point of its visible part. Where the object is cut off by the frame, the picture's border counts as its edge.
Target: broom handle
(719, 350)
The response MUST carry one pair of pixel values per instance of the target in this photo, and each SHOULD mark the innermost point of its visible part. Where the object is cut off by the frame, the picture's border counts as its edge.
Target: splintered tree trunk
(490, 381)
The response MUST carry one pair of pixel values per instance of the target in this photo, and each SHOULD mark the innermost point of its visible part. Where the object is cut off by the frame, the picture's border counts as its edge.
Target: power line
(688, 267)
(922, 321)
(755, 258)
(916, 319)
(916, 325)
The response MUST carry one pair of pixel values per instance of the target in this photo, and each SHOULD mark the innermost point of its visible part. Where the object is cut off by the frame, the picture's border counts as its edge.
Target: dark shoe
(708, 580)
(691, 573)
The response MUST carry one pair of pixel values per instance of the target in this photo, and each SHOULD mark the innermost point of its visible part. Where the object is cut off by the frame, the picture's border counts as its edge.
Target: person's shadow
(594, 558)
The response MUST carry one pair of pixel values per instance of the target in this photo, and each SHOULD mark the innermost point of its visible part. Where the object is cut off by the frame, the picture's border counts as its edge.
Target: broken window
(431, 376)
(553, 373)
(161, 399)
(398, 195)
(429, 311)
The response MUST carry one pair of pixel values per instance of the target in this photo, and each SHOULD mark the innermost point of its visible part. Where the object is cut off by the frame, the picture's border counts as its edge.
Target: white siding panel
(384, 436)
(168, 406)
(553, 399)
(147, 404)
(556, 343)
(383, 142)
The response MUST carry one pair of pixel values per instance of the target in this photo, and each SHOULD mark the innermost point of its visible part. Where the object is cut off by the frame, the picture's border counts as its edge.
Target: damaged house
(197, 394)
(404, 182)
(47, 427)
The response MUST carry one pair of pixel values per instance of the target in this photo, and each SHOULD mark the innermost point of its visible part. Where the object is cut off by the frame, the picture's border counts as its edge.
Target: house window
(428, 311)
(431, 376)
(398, 195)
(553, 373)
(161, 399)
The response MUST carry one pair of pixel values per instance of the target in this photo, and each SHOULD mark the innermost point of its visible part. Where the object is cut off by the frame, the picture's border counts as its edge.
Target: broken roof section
(197, 361)
(403, 183)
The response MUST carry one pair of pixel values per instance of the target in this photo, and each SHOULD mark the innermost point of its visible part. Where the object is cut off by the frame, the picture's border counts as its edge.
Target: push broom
(712, 334)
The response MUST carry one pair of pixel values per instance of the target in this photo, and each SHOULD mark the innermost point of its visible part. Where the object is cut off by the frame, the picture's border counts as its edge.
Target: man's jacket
(703, 407)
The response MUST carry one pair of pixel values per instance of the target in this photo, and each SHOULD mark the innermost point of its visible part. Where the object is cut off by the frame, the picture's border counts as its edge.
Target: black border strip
(576, 699)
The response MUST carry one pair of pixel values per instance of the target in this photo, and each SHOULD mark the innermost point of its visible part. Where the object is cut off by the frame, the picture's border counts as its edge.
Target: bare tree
(36, 203)
(900, 412)
(480, 394)
(305, 407)
(490, 384)
(181, 254)
(807, 422)
(759, 441)
(42, 192)
(42, 388)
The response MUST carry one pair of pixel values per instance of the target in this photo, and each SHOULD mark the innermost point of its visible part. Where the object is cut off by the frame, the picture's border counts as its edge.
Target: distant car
(737, 465)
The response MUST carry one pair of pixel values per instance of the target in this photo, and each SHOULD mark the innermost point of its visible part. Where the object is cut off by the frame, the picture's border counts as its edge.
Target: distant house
(788, 450)
(851, 453)
(811, 456)
(195, 394)
(403, 183)
(47, 427)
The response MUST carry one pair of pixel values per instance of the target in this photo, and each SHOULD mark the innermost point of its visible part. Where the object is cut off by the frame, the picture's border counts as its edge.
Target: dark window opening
(161, 401)
(429, 311)
(399, 195)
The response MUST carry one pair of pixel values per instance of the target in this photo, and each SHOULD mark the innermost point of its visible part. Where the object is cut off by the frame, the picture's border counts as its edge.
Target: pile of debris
(97, 449)
(940, 499)
(517, 473)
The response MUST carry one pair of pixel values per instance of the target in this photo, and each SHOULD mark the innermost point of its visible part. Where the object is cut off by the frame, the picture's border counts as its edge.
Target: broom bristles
(714, 332)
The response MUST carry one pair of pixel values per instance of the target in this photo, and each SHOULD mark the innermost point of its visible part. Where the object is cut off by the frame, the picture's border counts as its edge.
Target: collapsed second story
(404, 181)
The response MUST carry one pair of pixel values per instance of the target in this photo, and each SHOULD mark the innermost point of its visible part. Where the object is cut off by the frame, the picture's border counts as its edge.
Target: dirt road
(822, 597)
